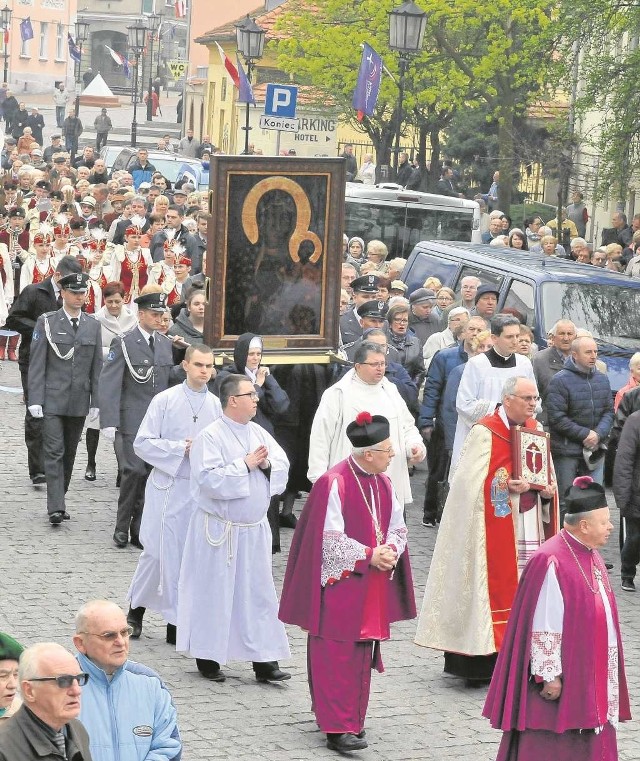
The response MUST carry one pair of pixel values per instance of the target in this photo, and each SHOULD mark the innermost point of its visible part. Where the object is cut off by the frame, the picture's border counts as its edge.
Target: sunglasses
(64, 681)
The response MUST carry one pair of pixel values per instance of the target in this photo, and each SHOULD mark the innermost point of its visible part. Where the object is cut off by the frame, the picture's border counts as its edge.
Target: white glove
(94, 413)
(109, 433)
(35, 410)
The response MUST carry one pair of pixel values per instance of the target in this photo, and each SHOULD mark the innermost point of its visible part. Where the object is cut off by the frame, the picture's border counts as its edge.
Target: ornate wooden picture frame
(274, 252)
(531, 454)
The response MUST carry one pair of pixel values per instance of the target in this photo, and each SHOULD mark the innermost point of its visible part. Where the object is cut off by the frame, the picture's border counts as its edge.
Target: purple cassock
(348, 616)
(581, 723)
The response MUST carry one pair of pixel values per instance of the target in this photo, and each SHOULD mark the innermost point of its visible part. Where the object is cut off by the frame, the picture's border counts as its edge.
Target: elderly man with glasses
(495, 521)
(126, 708)
(365, 387)
(46, 727)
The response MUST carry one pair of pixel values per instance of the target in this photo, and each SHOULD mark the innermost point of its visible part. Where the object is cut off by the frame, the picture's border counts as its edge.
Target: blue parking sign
(280, 100)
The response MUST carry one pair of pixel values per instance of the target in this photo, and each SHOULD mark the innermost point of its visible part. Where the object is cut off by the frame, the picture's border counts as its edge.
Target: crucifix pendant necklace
(193, 412)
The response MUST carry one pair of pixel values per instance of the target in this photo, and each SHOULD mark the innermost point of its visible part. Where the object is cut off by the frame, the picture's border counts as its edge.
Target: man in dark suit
(445, 184)
(66, 359)
(139, 209)
(364, 289)
(175, 230)
(138, 367)
(33, 301)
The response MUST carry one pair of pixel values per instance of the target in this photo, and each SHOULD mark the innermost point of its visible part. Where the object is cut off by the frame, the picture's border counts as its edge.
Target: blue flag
(365, 95)
(26, 30)
(245, 94)
(74, 50)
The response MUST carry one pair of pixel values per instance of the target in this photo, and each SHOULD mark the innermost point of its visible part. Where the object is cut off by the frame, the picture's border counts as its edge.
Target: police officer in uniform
(64, 369)
(364, 289)
(139, 366)
(34, 300)
(372, 314)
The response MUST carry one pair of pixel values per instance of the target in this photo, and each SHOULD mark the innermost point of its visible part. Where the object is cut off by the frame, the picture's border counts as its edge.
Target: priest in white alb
(484, 376)
(227, 603)
(365, 388)
(164, 439)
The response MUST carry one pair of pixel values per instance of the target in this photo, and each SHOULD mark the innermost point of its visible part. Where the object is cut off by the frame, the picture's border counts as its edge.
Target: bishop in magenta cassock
(559, 688)
(348, 578)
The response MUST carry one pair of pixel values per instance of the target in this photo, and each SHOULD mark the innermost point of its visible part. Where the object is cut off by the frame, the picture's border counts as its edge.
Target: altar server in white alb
(484, 376)
(227, 603)
(164, 439)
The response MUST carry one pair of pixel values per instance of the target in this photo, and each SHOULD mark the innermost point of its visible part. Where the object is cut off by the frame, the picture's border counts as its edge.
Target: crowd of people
(103, 304)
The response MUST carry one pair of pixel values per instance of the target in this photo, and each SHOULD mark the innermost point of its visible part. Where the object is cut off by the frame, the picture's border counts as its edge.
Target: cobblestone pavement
(415, 711)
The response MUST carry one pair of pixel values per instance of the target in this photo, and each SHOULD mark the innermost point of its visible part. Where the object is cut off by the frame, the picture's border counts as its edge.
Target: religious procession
(307, 454)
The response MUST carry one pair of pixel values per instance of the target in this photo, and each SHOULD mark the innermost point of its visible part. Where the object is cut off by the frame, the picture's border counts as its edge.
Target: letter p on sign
(281, 100)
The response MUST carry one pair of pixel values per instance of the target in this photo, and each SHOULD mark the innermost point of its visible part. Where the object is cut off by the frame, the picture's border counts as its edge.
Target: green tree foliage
(501, 54)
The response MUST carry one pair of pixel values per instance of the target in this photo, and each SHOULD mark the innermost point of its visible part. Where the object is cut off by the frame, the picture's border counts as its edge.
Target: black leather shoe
(120, 539)
(135, 541)
(288, 520)
(171, 634)
(134, 619)
(90, 473)
(38, 479)
(346, 742)
(608, 566)
(55, 519)
(210, 670)
(275, 675)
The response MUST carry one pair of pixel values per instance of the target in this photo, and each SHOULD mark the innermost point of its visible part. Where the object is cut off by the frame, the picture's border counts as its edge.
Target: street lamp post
(406, 33)
(250, 41)
(6, 21)
(137, 34)
(154, 23)
(82, 35)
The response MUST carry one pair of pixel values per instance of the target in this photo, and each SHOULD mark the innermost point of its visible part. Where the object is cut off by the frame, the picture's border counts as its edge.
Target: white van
(401, 218)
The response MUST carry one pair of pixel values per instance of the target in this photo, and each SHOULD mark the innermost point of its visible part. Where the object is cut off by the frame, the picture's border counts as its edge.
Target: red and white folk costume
(131, 265)
(41, 261)
(6, 274)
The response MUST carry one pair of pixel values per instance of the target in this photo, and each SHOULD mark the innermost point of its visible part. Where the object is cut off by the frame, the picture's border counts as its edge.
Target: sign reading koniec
(280, 123)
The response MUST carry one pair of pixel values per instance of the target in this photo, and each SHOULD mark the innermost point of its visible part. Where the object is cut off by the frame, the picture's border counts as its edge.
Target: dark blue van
(544, 289)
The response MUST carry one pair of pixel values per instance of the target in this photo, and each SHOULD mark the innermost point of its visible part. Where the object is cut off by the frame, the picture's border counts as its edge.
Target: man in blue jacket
(580, 415)
(430, 422)
(126, 708)
(141, 170)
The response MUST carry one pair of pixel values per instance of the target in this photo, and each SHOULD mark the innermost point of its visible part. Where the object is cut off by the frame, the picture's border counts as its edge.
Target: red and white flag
(229, 66)
(181, 8)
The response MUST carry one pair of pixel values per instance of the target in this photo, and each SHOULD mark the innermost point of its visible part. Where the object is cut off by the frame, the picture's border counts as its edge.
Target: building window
(59, 42)
(201, 72)
(42, 53)
(148, 6)
(24, 48)
(223, 89)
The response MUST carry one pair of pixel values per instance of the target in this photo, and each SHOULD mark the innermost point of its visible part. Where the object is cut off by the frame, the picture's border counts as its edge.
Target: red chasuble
(501, 540)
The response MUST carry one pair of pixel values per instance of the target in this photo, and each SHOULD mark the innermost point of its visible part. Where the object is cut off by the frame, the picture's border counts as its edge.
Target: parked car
(170, 164)
(544, 289)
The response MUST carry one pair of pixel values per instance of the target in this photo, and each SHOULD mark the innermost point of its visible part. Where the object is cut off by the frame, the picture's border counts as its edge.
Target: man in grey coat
(46, 727)
(64, 368)
(548, 362)
(138, 367)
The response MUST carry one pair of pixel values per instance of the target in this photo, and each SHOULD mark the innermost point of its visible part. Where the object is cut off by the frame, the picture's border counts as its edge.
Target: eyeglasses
(112, 636)
(401, 320)
(377, 365)
(253, 394)
(64, 681)
(388, 450)
(527, 398)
